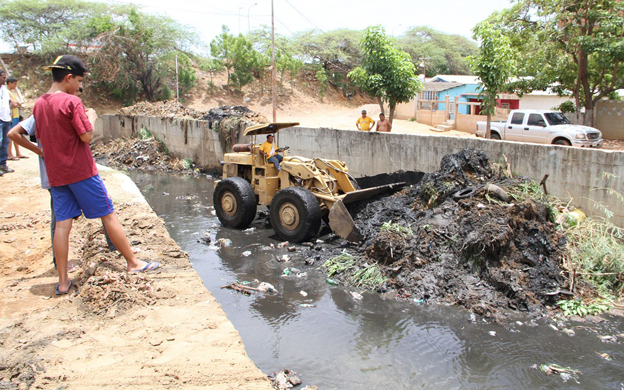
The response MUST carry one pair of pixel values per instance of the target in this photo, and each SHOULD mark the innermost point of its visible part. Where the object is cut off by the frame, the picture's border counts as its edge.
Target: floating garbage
(284, 379)
(244, 287)
(331, 281)
(282, 244)
(224, 242)
(205, 239)
(165, 194)
(292, 249)
(356, 296)
(566, 373)
(306, 305)
(246, 253)
(295, 270)
(287, 272)
(492, 333)
(266, 287)
(302, 275)
(303, 293)
(249, 230)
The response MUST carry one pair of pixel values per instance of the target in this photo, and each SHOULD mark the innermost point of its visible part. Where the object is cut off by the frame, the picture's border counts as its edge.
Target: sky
(207, 16)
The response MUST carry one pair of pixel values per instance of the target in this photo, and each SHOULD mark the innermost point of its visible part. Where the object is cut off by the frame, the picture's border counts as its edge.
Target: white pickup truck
(542, 127)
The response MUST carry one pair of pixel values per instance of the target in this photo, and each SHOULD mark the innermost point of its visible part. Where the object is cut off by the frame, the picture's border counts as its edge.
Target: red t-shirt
(60, 119)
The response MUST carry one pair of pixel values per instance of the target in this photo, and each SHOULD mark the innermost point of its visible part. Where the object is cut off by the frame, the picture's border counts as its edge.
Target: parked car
(542, 127)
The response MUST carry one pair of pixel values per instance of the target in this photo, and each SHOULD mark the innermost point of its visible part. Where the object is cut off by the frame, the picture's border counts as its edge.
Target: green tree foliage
(51, 25)
(187, 77)
(386, 72)
(237, 55)
(443, 53)
(568, 45)
(135, 51)
(124, 49)
(494, 65)
(335, 52)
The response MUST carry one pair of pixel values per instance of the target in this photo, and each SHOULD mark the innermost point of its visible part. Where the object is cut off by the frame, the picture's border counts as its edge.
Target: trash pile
(136, 153)
(166, 109)
(228, 121)
(453, 239)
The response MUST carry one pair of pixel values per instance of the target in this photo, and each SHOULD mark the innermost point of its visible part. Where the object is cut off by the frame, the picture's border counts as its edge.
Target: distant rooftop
(449, 78)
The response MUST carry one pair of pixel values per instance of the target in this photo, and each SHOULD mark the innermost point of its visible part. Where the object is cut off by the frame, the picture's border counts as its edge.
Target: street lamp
(248, 23)
(239, 12)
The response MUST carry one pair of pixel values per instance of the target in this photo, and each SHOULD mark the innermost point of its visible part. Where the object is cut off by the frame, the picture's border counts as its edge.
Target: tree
(134, 51)
(53, 25)
(444, 53)
(386, 73)
(568, 45)
(238, 57)
(494, 65)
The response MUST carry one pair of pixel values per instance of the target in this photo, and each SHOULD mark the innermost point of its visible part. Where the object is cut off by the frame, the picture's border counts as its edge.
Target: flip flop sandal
(58, 292)
(150, 266)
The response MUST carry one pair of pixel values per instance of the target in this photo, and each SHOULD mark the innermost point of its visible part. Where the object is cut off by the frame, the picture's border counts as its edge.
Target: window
(556, 118)
(534, 119)
(517, 118)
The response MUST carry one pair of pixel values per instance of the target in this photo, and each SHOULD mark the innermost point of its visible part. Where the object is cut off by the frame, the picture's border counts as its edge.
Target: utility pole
(273, 73)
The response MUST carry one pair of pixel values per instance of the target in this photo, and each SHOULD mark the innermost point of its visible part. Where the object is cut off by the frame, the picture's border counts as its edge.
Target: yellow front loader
(299, 196)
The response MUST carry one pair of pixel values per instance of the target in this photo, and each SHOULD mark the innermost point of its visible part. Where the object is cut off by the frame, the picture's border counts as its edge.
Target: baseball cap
(70, 63)
(363, 111)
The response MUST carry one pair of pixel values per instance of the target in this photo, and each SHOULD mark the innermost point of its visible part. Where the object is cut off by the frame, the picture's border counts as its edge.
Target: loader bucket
(340, 220)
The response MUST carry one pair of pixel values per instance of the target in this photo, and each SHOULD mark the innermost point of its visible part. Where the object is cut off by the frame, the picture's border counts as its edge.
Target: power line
(305, 17)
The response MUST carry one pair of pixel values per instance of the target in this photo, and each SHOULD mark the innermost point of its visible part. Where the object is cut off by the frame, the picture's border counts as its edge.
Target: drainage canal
(337, 339)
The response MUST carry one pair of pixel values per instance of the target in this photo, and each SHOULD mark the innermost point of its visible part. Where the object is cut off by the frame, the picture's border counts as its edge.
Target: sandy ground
(169, 333)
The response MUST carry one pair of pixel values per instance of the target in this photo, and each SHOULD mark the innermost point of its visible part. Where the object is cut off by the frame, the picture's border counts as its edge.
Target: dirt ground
(114, 329)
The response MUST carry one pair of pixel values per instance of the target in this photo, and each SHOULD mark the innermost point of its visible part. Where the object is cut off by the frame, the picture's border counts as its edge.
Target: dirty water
(335, 340)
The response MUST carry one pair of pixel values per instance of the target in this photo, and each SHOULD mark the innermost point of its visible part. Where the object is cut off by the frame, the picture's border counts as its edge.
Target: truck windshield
(556, 118)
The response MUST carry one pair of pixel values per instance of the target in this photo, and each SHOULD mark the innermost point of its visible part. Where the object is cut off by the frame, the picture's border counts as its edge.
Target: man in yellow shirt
(16, 103)
(271, 151)
(364, 123)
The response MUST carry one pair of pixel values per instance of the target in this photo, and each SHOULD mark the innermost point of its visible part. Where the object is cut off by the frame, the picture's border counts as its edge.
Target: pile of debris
(136, 153)
(453, 239)
(166, 109)
(228, 121)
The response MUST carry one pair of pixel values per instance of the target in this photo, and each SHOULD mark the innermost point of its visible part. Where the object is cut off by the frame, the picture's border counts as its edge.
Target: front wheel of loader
(295, 214)
(235, 202)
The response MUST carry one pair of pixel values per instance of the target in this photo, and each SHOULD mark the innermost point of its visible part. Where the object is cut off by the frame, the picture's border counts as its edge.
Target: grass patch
(578, 308)
(397, 229)
(346, 265)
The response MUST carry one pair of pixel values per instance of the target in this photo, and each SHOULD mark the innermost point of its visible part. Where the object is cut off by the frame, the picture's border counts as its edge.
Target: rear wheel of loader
(235, 202)
(295, 214)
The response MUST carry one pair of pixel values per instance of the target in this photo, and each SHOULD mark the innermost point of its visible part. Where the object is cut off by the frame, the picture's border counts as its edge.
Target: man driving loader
(269, 148)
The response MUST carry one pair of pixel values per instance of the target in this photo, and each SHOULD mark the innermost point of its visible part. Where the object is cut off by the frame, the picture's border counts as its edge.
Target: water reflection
(337, 342)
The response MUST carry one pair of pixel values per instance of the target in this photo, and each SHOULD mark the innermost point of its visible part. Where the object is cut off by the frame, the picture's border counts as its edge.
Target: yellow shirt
(365, 123)
(269, 148)
(14, 110)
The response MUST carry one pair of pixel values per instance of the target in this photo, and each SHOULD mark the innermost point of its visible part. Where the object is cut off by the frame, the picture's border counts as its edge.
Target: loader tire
(235, 202)
(295, 214)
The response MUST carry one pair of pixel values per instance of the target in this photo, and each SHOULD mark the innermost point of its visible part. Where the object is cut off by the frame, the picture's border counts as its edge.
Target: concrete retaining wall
(573, 172)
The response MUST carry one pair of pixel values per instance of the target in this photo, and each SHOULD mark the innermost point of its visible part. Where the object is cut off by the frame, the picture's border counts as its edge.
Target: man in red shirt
(65, 131)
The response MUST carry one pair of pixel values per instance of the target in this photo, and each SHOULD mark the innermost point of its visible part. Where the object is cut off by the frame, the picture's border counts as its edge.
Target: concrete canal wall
(573, 172)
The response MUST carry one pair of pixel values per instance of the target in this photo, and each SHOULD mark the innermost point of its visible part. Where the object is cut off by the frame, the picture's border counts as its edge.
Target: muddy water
(335, 341)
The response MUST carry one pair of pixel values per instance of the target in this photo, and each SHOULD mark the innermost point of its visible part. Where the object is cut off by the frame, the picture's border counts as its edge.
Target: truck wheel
(563, 142)
(235, 202)
(495, 136)
(295, 214)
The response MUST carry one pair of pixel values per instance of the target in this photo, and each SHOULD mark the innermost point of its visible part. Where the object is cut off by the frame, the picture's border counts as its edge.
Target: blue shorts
(88, 196)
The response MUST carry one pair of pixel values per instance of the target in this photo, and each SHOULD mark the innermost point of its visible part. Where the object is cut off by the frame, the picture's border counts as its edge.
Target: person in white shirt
(5, 123)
